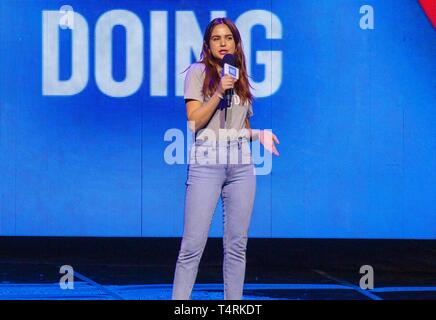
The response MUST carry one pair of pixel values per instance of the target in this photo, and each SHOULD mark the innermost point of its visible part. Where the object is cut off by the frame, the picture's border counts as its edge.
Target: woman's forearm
(201, 116)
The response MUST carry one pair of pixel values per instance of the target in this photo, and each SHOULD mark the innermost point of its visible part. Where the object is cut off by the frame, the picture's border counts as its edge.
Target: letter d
(51, 85)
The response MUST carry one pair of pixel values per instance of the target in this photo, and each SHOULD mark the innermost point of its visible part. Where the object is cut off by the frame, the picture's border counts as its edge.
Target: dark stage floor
(142, 270)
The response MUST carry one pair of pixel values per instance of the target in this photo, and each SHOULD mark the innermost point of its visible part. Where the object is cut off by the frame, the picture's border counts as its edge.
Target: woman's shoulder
(195, 73)
(197, 67)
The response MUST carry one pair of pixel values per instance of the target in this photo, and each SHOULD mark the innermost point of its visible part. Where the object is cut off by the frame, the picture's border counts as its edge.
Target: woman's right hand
(226, 82)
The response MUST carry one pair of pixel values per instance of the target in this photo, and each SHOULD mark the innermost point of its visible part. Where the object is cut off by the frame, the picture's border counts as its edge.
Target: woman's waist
(221, 152)
(220, 143)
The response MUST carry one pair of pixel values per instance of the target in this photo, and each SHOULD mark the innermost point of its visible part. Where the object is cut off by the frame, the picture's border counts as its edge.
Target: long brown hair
(212, 78)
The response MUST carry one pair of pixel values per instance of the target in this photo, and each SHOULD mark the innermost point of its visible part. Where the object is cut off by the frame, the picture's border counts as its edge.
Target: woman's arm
(249, 133)
(267, 138)
(199, 113)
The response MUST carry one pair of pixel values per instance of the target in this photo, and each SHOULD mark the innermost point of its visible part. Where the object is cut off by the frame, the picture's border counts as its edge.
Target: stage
(142, 269)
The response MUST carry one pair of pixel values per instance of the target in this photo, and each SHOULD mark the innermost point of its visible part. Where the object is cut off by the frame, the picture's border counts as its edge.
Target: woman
(220, 160)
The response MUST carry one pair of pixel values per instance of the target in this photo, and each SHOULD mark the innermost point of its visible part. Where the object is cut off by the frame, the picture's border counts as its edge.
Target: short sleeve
(194, 82)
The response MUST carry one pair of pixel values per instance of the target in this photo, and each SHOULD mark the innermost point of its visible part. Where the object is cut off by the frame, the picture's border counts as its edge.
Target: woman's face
(221, 41)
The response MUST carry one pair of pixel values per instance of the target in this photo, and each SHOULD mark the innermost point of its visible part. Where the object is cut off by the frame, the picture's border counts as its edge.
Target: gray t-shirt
(236, 114)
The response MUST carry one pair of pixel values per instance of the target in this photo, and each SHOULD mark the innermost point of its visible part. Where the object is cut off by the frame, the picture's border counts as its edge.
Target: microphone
(228, 68)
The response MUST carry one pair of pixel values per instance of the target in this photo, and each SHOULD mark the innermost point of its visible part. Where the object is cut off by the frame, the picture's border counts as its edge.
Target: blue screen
(92, 116)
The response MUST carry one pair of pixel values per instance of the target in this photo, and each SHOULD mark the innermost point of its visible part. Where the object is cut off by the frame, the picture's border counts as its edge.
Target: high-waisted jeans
(232, 175)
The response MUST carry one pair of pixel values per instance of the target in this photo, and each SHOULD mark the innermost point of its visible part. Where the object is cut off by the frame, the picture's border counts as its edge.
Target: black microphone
(231, 61)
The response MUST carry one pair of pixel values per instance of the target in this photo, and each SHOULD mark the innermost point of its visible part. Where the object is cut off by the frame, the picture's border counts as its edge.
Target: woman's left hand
(267, 138)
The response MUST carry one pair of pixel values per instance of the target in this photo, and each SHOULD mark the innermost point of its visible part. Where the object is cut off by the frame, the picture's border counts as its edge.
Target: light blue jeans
(235, 181)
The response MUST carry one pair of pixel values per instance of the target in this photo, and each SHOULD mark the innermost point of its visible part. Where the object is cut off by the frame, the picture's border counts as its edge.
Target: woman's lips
(223, 51)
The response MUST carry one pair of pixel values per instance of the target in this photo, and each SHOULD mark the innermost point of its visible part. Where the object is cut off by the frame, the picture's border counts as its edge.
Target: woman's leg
(203, 188)
(238, 199)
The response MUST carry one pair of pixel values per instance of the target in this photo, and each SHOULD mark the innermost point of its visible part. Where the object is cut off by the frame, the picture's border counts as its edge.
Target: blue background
(355, 115)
